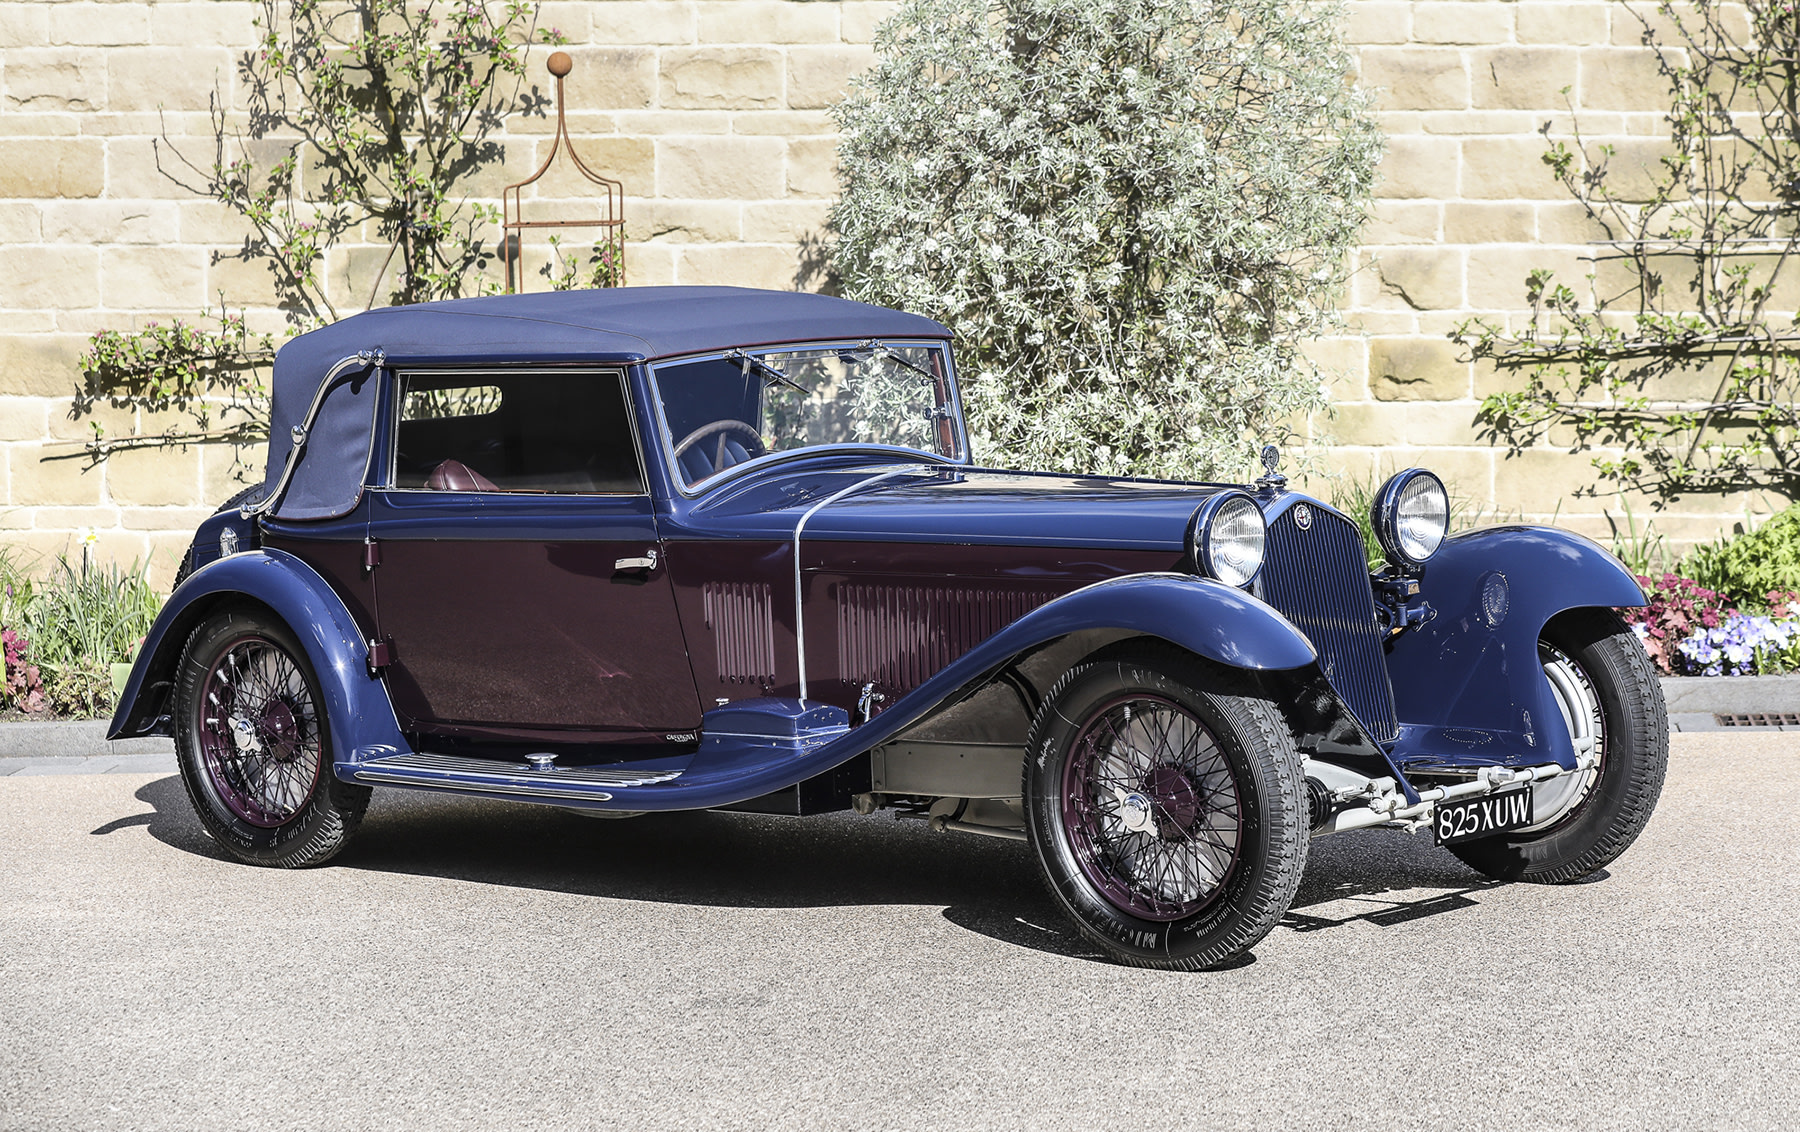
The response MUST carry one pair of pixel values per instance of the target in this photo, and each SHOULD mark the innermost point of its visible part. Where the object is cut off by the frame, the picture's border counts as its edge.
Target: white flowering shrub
(1131, 212)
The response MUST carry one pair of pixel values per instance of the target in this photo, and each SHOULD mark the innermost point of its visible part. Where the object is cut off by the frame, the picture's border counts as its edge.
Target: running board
(746, 750)
(490, 776)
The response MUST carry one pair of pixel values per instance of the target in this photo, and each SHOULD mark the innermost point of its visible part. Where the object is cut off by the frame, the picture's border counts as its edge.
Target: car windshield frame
(759, 361)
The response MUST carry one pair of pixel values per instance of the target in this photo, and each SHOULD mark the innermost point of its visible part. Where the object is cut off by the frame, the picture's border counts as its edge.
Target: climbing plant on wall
(362, 116)
(1680, 353)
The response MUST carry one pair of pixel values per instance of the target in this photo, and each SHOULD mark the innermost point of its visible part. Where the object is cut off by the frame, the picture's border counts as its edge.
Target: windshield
(727, 409)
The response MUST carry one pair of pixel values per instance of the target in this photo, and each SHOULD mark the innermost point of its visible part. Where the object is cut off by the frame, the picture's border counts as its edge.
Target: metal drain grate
(1758, 719)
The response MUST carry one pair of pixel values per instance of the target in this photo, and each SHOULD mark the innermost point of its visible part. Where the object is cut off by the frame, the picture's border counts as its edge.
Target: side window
(562, 433)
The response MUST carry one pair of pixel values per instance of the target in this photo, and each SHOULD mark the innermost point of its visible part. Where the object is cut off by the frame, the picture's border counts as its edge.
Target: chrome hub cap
(1134, 812)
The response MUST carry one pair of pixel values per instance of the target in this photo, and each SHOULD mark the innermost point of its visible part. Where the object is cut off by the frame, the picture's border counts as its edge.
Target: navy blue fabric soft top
(624, 324)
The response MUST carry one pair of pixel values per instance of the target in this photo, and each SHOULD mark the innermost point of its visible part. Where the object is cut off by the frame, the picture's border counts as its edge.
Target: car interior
(555, 433)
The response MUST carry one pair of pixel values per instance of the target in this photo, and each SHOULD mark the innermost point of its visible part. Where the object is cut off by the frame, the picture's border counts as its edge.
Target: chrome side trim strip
(471, 787)
(799, 594)
(426, 767)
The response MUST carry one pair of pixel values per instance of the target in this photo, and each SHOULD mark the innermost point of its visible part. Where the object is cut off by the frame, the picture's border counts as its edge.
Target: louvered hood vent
(900, 636)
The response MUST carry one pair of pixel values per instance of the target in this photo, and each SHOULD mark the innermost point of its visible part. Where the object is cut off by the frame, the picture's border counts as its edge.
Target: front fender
(1203, 616)
(1206, 617)
(1468, 687)
(356, 703)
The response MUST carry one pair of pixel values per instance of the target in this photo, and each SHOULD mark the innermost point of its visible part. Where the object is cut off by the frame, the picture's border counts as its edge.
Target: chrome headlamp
(1411, 515)
(1226, 538)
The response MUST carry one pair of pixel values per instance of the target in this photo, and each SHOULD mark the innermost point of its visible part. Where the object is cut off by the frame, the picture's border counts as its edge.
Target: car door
(520, 583)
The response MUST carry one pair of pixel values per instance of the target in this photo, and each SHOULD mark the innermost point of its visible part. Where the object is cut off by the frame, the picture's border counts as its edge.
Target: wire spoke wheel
(259, 730)
(1578, 702)
(1152, 809)
(253, 739)
(1608, 698)
(1169, 819)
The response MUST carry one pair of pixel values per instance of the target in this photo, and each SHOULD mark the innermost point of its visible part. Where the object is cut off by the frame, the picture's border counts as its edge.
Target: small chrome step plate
(453, 772)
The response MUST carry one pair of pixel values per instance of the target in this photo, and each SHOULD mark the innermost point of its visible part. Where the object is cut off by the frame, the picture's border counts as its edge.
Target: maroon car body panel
(884, 613)
(497, 632)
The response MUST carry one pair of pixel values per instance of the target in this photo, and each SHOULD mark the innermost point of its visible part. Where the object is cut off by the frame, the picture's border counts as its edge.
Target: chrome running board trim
(487, 776)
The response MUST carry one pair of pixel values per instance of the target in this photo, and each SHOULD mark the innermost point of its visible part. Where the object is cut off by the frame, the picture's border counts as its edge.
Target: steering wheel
(722, 429)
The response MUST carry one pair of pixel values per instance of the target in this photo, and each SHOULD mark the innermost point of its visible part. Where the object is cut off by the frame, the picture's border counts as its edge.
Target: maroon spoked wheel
(259, 732)
(1166, 806)
(1151, 808)
(254, 742)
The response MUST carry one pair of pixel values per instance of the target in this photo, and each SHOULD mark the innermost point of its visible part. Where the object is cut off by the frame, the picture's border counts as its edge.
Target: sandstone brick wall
(1465, 209)
(713, 114)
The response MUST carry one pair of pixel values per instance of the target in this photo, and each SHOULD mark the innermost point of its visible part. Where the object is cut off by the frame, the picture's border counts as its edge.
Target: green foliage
(363, 115)
(210, 376)
(389, 103)
(21, 681)
(1674, 353)
(1748, 567)
(1641, 549)
(1130, 211)
(16, 588)
(79, 620)
(1356, 498)
(603, 266)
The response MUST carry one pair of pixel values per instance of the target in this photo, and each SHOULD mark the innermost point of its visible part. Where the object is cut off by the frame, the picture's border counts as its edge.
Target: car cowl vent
(1318, 577)
(900, 636)
(742, 619)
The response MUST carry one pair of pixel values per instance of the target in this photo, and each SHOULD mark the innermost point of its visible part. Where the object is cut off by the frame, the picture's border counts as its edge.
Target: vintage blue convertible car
(685, 548)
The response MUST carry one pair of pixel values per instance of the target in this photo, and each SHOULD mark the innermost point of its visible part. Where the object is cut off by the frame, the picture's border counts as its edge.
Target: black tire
(1600, 814)
(254, 491)
(1193, 864)
(252, 740)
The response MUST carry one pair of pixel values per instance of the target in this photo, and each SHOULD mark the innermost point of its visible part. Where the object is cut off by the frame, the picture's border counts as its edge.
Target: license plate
(1470, 818)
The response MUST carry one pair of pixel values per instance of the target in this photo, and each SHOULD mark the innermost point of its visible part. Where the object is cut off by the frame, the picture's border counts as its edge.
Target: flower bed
(62, 632)
(1690, 630)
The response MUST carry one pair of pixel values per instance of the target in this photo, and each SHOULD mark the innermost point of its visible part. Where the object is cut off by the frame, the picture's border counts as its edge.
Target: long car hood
(957, 505)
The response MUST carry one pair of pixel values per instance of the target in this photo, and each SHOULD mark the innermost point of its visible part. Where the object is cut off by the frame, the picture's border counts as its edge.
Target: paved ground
(480, 965)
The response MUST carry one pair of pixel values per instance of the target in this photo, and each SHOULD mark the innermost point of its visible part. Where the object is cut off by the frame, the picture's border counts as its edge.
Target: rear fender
(355, 702)
(1468, 688)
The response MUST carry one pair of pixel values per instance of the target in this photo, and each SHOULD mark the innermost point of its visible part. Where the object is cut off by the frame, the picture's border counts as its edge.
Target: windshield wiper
(748, 359)
(897, 358)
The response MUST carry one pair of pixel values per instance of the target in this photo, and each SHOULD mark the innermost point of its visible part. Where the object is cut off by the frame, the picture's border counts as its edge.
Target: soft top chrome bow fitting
(362, 359)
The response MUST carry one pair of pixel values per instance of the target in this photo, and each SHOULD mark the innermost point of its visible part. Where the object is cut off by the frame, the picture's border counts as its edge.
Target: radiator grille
(742, 619)
(1319, 579)
(899, 636)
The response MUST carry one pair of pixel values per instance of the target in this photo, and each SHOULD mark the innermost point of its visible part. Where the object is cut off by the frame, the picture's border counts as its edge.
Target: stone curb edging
(78, 738)
(1731, 694)
(96, 764)
(34, 747)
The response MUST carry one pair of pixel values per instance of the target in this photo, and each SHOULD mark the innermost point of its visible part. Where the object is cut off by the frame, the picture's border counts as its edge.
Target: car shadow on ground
(985, 885)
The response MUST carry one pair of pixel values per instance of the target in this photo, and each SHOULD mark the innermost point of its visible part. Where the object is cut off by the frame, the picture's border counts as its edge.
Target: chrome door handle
(647, 562)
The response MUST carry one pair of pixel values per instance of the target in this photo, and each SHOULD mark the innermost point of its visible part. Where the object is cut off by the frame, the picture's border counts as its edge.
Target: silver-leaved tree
(1132, 213)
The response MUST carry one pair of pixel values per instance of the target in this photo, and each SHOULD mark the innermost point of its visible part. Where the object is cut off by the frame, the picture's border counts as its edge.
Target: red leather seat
(454, 475)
